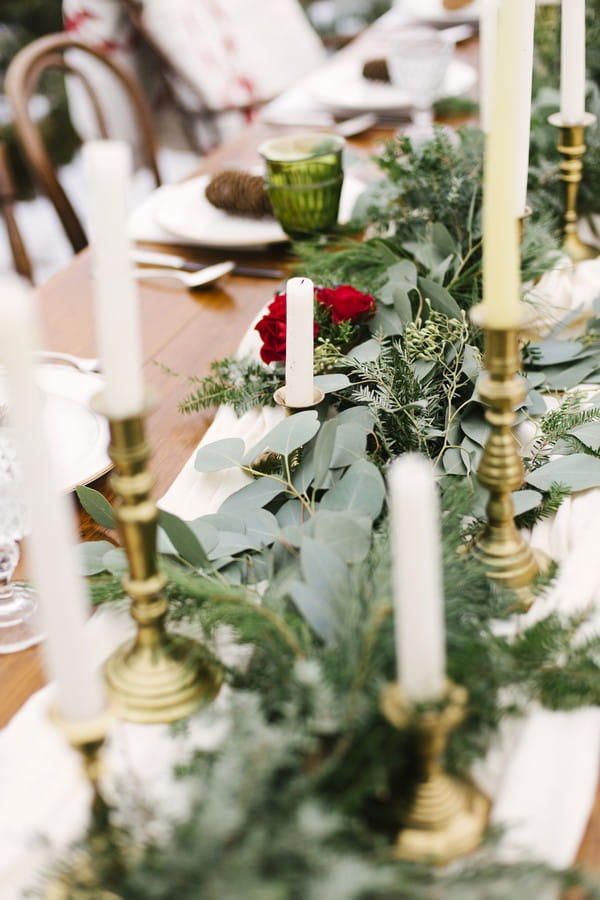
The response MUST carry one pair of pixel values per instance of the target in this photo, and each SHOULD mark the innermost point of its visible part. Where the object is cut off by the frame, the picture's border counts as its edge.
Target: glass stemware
(19, 627)
(418, 61)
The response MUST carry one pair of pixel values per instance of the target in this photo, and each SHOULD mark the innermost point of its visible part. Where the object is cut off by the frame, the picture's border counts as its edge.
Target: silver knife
(172, 261)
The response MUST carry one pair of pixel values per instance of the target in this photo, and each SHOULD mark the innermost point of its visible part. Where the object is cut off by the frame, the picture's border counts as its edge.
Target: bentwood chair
(20, 257)
(70, 55)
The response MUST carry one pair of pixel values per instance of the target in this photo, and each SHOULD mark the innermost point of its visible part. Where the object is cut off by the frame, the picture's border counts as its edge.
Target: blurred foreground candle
(488, 17)
(299, 342)
(108, 175)
(524, 59)
(417, 578)
(572, 62)
(51, 544)
(502, 307)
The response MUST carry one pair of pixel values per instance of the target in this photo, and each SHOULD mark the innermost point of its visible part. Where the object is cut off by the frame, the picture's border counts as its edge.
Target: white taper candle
(572, 62)
(108, 174)
(417, 578)
(488, 27)
(299, 342)
(524, 41)
(51, 544)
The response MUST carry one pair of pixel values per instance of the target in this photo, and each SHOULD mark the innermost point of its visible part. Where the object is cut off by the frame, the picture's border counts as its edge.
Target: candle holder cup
(446, 817)
(156, 676)
(509, 560)
(280, 399)
(87, 737)
(571, 146)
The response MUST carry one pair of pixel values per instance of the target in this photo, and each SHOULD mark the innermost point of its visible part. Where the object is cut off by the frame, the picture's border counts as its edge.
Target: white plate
(434, 11)
(183, 210)
(77, 436)
(344, 88)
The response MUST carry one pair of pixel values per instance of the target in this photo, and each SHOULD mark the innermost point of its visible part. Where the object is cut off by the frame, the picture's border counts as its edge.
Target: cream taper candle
(299, 342)
(572, 62)
(51, 544)
(502, 307)
(417, 578)
(488, 17)
(108, 174)
(524, 58)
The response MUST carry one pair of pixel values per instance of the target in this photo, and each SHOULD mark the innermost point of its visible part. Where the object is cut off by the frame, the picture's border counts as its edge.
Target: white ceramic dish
(183, 210)
(345, 89)
(77, 436)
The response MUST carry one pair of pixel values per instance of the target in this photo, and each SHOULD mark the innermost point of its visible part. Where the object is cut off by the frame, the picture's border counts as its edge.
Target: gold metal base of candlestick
(527, 213)
(571, 146)
(87, 738)
(447, 817)
(508, 559)
(280, 400)
(157, 676)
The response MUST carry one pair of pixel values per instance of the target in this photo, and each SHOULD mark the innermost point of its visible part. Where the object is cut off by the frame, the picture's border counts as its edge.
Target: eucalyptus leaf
(293, 432)
(402, 305)
(91, 556)
(185, 541)
(402, 276)
(359, 490)
(115, 561)
(368, 351)
(471, 362)
(323, 453)
(475, 427)
(553, 352)
(526, 500)
(564, 378)
(358, 414)
(349, 536)
(220, 455)
(386, 321)
(219, 522)
(453, 462)
(443, 240)
(290, 513)
(230, 543)
(588, 433)
(323, 570)
(350, 445)
(261, 527)
(577, 472)
(256, 494)
(440, 299)
(313, 610)
(330, 383)
(97, 506)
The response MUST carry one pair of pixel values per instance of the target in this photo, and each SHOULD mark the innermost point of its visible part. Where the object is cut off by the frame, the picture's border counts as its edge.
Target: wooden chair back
(20, 257)
(21, 83)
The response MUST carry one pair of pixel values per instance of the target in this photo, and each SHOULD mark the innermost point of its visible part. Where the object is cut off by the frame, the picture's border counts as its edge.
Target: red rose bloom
(272, 331)
(346, 302)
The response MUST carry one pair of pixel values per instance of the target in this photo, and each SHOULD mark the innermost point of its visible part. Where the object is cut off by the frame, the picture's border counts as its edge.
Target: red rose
(272, 331)
(346, 302)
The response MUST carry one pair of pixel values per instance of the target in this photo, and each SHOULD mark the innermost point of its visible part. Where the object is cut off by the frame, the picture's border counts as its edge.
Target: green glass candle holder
(304, 177)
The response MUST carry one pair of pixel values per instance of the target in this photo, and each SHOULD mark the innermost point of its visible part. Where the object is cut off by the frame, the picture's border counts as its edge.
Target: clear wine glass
(417, 62)
(19, 627)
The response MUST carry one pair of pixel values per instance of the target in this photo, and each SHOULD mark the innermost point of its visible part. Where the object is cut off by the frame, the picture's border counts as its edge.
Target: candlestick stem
(446, 817)
(87, 737)
(157, 676)
(571, 146)
(509, 560)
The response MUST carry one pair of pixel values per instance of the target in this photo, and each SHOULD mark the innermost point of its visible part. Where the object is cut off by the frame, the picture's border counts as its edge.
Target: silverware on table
(173, 261)
(190, 279)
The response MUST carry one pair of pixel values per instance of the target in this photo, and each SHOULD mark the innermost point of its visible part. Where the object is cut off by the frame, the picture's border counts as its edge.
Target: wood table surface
(183, 331)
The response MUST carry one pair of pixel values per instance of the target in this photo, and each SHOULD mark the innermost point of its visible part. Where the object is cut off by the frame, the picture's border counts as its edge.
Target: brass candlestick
(571, 146)
(87, 738)
(509, 560)
(446, 817)
(156, 676)
(280, 400)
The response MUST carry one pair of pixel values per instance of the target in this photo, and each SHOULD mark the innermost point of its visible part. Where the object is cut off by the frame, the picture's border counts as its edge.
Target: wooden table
(184, 332)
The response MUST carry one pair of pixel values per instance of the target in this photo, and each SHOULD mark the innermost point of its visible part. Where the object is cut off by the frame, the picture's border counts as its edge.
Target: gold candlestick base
(509, 560)
(280, 399)
(157, 676)
(87, 738)
(447, 817)
(571, 146)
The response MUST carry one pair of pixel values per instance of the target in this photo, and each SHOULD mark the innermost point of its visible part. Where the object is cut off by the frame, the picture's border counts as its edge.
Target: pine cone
(239, 192)
(376, 70)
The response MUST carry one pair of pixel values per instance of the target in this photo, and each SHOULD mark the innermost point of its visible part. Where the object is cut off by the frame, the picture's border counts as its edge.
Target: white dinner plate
(78, 437)
(345, 89)
(434, 11)
(183, 210)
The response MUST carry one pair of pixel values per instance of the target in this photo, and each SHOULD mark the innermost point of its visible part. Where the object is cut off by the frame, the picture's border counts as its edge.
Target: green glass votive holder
(304, 177)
